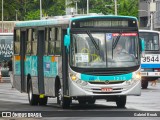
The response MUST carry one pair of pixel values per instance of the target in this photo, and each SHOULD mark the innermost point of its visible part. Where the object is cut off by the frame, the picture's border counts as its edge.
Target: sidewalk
(6, 79)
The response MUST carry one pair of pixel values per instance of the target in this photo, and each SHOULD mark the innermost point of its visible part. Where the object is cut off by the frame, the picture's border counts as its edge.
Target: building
(157, 16)
(7, 26)
(145, 14)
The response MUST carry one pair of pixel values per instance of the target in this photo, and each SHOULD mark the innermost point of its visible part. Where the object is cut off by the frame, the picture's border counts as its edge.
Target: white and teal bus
(74, 59)
(150, 63)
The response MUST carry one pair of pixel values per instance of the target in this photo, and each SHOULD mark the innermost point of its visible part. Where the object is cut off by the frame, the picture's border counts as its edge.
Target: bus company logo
(6, 114)
(106, 82)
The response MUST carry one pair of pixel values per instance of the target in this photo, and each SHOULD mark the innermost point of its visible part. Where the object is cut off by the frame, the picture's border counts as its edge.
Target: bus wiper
(114, 44)
(93, 40)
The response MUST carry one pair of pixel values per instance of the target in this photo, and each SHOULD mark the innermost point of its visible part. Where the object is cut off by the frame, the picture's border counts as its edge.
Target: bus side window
(51, 46)
(46, 40)
(28, 42)
(34, 42)
(17, 42)
(58, 41)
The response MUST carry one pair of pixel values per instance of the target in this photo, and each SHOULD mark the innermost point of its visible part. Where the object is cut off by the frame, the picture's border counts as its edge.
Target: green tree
(29, 9)
(49, 8)
(124, 7)
(128, 7)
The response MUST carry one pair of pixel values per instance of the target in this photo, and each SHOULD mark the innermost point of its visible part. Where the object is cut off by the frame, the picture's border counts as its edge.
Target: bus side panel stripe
(150, 65)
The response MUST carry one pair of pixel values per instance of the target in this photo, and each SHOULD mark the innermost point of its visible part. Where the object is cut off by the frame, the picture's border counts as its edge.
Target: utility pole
(151, 20)
(76, 6)
(16, 14)
(87, 6)
(66, 3)
(115, 3)
(152, 11)
(40, 9)
(2, 16)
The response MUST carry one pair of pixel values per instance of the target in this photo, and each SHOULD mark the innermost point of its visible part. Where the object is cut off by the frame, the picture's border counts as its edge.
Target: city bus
(6, 51)
(73, 59)
(150, 63)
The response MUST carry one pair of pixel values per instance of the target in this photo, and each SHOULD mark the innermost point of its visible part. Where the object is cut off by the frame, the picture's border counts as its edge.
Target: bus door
(40, 54)
(22, 58)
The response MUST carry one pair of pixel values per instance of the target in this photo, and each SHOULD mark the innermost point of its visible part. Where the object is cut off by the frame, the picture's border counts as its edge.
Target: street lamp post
(2, 16)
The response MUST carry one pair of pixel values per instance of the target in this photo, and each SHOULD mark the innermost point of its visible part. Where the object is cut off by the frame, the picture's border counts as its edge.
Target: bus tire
(121, 101)
(43, 101)
(64, 102)
(144, 84)
(33, 99)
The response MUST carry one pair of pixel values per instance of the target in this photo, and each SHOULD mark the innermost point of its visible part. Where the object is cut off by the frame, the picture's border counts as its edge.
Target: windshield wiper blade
(116, 41)
(93, 40)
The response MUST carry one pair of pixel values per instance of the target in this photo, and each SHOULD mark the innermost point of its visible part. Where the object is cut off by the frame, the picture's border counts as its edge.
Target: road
(13, 100)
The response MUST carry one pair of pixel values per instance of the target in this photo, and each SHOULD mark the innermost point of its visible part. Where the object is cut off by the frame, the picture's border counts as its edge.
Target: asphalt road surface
(148, 103)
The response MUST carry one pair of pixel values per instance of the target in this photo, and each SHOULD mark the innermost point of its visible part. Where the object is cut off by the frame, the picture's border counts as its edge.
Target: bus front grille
(110, 82)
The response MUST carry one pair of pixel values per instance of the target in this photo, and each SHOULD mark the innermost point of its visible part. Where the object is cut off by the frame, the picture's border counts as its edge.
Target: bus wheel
(43, 101)
(33, 99)
(63, 101)
(59, 96)
(144, 84)
(121, 101)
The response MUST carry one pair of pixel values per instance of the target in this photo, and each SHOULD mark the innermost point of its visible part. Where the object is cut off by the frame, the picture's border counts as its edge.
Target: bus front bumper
(91, 89)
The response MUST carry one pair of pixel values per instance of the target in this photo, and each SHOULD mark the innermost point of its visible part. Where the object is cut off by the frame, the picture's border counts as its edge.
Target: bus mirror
(142, 44)
(66, 40)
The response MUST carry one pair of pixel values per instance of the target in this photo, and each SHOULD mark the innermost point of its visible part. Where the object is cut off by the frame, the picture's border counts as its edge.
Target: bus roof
(63, 20)
(141, 30)
(42, 22)
(103, 16)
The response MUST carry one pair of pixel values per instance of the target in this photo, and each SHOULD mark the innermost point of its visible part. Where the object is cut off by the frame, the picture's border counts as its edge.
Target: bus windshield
(98, 51)
(151, 40)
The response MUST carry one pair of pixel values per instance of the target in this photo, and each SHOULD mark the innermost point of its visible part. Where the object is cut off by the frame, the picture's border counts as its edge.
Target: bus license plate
(106, 89)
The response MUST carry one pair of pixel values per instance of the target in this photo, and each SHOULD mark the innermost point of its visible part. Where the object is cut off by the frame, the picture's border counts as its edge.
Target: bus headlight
(77, 80)
(137, 75)
(73, 77)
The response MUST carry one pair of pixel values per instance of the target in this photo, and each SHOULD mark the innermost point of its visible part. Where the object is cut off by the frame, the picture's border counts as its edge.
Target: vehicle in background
(150, 62)
(73, 59)
(6, 51)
